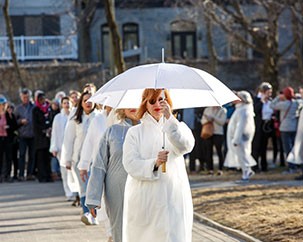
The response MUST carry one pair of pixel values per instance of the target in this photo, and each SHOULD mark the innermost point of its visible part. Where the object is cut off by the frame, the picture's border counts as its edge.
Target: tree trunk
(85, 11)
(10, 34)
(210, 47)
(270, 71)
(271, 57)
(84, 43)
(297, 33)
(115, 37)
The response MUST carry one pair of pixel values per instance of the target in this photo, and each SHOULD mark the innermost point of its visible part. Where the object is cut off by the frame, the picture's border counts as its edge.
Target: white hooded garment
(296, 154)
(240, 131)
(157, 206)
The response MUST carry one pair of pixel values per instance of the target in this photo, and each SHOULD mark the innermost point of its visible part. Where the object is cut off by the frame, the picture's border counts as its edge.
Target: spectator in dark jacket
(42, 128)
(23, 115)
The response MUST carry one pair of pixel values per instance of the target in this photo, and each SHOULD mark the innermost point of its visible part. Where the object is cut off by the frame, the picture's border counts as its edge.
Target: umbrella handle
(163, 147)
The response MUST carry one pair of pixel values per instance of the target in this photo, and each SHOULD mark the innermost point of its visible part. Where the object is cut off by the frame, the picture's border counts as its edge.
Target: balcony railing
(40, 47)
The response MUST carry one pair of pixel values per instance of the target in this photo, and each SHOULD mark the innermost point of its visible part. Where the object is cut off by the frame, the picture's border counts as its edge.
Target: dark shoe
(21, 178)
(219, 173)
(30, 178)
(54, 176)
(299, 178)
(9, 180)
(76, 203)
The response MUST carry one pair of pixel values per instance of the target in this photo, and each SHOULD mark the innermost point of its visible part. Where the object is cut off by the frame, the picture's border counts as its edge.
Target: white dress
(157, 206)
(240, 131)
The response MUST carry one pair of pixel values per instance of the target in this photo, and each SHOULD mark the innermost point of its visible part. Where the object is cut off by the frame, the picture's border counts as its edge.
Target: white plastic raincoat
(157, 206)
(240, 131)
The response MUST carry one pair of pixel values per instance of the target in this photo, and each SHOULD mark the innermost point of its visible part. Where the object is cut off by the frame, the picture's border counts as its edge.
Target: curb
(234, 232)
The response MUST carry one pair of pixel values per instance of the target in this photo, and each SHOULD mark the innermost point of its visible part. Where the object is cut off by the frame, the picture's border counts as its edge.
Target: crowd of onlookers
(276, 125)
(25, 132)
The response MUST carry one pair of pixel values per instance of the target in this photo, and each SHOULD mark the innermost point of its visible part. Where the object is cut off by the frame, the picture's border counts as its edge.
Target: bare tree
(115, 36)
(213, 58)
(10, 34)
(297, 27)
(262, 37)
(85, 11)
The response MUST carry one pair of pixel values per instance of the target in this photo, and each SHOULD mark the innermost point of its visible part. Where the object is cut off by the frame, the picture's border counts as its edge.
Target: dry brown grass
(269, 213)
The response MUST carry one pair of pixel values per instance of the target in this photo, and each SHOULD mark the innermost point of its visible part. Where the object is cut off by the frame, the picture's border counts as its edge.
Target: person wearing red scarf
(42, 128)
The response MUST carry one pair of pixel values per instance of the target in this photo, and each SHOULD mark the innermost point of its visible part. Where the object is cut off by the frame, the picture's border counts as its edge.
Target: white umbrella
(188, 87)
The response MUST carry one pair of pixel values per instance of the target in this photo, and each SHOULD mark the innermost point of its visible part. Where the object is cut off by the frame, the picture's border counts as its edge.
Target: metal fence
(40, 47)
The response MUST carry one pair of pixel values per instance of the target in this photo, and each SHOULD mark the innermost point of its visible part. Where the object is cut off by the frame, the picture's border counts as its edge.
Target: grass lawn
(267, 212)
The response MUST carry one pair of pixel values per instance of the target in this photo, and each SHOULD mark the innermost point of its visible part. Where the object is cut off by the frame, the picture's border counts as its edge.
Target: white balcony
(40, 47)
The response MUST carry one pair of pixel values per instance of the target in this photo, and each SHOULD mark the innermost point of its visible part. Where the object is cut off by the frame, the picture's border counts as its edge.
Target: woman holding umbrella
(157, 206)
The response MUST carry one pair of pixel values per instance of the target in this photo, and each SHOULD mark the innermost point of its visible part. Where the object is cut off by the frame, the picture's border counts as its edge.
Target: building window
(237, 50)
(36, 25)
(130, 36)
(183, 39)
(105, 44)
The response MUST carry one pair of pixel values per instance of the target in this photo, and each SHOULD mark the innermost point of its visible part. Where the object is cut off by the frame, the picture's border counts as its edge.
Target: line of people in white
(119, 158)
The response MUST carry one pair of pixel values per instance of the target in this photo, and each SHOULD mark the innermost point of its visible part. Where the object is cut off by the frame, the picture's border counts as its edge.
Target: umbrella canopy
(188, 87)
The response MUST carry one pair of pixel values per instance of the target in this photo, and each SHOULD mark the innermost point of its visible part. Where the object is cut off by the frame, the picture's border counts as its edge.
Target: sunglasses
(153, 100)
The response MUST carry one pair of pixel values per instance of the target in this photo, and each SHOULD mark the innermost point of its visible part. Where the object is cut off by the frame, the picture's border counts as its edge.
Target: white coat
(92, 140)
(157, 206)
(58, 128)
(240, 131)
(74, 136)
(296, 154)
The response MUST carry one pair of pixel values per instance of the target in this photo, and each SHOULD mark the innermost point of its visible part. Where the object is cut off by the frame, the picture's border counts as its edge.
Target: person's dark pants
(281, 151)
(263, 151)
(256, 148)
(82, 202)
(288, 141)
(3, 156)
(10, 154)
(26, 144)
(43, 165)
(217, 141)
(196, 153)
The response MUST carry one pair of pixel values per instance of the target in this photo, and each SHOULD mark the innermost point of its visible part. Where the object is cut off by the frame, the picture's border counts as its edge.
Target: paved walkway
(31, 211)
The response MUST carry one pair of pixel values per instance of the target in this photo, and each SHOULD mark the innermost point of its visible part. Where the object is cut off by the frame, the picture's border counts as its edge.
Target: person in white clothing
(57, 135)
(157, 206)
(240, 133)
(89, 149)
(74, 136)
(296, 154)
